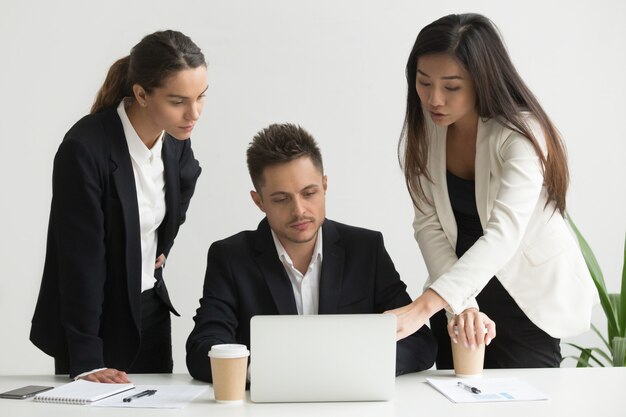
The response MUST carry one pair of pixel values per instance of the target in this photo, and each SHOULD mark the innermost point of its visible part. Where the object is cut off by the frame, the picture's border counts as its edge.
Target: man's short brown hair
(277, 144)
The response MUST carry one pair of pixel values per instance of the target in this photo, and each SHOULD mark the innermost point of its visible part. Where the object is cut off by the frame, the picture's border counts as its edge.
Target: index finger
(491, 331)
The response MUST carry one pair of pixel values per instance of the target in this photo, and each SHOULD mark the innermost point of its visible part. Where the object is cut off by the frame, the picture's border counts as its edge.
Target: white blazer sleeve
(437, 251)
(519, 189)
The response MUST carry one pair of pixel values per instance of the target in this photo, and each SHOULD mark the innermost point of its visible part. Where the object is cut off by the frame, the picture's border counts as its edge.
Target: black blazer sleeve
(189, 172)
(181, 182)
(78, 221)
(418, 351)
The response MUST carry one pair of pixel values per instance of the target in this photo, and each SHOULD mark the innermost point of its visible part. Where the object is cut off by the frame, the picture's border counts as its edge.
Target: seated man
(297, 261)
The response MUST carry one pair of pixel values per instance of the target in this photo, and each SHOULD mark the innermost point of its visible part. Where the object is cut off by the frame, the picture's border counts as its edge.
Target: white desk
(588, 392)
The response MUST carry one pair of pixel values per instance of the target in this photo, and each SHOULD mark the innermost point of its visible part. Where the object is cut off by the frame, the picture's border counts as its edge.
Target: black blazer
(245, 277)
(89, 308)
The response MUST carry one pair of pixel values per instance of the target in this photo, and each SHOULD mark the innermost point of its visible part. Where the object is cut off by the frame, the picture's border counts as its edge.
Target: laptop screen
(322, 358)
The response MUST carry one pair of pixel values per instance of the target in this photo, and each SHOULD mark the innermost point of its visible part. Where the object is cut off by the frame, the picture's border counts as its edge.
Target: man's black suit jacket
(89, 308)
(245, 277)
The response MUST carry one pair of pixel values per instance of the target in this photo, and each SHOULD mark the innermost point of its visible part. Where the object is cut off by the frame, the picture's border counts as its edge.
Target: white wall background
(335, 67)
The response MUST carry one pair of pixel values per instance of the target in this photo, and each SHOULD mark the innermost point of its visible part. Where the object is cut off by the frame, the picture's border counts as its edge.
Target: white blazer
(526, 244)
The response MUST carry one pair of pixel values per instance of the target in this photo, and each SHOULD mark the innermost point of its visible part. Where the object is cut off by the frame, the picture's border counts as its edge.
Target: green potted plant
(614, 306)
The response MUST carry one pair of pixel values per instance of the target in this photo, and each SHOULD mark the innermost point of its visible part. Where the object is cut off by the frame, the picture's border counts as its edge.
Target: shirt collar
(137, 149)
(284, 256)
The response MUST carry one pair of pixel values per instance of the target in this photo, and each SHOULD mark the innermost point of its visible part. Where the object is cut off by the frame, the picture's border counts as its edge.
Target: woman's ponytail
(115, 86)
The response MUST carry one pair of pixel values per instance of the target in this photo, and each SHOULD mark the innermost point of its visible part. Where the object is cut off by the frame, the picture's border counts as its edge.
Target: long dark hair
(501, 93)
(151, 61)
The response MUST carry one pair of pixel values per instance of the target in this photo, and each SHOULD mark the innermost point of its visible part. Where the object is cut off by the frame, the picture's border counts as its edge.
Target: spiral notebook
(81, 392)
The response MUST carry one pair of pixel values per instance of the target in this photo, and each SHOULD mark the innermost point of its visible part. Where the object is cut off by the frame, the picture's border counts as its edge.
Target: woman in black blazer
(122, 181)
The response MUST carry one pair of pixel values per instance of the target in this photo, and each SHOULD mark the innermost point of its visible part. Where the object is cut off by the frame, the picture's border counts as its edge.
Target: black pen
(469, 388)
(145, 393)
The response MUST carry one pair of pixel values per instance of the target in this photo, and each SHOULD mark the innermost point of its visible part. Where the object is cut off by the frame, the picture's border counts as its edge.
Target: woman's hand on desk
(412, 317)
(109, 375)
(470, 328)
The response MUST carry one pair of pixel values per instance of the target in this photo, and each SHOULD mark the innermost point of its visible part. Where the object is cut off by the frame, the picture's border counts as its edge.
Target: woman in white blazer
(487, 173)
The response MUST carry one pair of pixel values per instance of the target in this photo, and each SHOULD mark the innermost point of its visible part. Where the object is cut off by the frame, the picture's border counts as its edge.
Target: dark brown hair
(150, 62)
(501, 93)
(277, 144)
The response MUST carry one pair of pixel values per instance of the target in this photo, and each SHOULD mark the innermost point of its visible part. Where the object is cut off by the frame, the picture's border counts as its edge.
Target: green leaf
(586, 354)
(601, 336)
(622, 311)
(619, 351)
(592, 262)
(576, 358)
(583, 361)
(606, 356)
(616, 301)
(613, 322)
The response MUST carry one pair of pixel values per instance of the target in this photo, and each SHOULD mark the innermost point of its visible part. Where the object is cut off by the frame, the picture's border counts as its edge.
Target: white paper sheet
(167, 396)
(492, 390)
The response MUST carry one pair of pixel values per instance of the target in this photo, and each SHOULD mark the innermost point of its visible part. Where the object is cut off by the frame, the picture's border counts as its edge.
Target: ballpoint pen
(469, 388)
(145, 393)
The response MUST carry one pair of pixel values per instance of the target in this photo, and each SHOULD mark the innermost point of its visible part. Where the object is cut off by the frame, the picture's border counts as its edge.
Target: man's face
(293, 197)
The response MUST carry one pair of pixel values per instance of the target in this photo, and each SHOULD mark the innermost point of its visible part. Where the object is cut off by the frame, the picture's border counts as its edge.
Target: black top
(463, 200)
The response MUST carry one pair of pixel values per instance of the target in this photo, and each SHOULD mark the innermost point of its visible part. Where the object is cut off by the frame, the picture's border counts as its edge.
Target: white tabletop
(589, 392)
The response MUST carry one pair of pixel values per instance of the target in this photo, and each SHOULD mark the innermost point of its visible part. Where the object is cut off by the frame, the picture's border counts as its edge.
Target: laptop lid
(309, 358)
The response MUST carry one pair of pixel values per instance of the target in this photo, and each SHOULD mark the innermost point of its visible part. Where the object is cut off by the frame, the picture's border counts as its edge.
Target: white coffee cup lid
(456, 330)
(229, 351)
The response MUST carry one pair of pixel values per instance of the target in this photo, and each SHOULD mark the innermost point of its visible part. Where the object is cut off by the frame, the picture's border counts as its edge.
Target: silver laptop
(322, 358)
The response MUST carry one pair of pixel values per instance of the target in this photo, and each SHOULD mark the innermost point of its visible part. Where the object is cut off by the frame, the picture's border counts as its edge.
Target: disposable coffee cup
(468, 363)
(229, 363)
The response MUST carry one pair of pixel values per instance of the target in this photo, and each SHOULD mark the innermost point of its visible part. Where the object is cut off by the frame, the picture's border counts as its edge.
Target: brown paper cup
(229, 364)
(468, 363)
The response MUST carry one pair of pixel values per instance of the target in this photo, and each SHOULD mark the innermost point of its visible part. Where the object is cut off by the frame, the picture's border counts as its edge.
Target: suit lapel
(273, 271)
(124, 181)
(481, 177)
(168, 228)
(440, 187)
(332, 269)
(482, 171)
